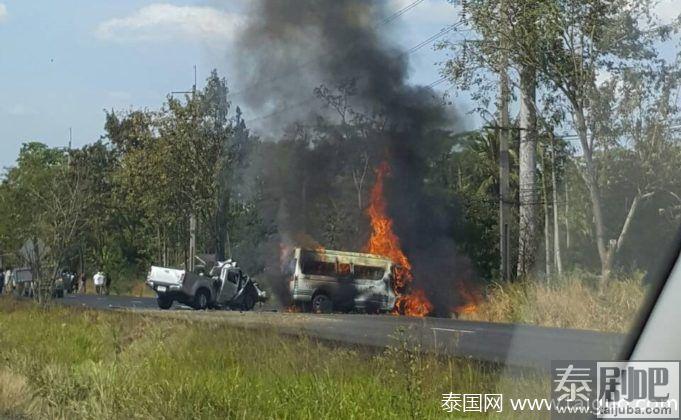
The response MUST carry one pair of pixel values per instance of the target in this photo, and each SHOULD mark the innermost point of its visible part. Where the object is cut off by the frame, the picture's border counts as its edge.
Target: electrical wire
(401, 12)
(437, 82)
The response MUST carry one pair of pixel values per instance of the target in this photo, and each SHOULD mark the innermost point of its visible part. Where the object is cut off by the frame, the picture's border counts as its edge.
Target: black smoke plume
(291, 46)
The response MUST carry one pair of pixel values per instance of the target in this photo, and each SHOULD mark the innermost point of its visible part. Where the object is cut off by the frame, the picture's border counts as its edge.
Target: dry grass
(140, 289)
(14, 393)
(573, 302)
(68, 363)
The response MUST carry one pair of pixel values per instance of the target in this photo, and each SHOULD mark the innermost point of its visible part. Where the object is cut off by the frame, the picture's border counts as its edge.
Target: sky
(64, 62)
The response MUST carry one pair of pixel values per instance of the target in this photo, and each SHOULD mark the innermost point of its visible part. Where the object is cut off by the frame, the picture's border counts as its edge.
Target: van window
(319, 268)
(344, 269)
(369, 273)
(232, 277)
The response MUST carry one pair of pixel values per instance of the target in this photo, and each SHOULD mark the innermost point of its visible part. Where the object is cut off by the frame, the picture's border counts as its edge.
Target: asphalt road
(511, 344)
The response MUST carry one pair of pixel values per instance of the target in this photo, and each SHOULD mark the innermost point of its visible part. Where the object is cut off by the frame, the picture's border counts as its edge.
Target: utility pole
(504, 167)
(70, 141)
(558, 258)
(192, 213)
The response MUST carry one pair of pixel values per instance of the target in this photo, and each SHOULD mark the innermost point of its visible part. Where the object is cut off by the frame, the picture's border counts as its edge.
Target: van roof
(348, 254)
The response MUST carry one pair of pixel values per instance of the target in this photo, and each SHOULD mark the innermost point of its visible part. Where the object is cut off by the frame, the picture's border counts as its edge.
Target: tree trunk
(165, 250)
(567, 212)
(558, 258)
(192, 241)
(547, 230)
(221, 225)
(527, 228)
(358, 179)
(504, 170)
(616, 245)
(159, 243)
(591, 180)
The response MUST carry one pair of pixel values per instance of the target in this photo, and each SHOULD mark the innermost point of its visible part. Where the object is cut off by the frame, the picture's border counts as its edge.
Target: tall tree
(46, 197)
(528, 197)
(581, 42)
(508, 32)
(504, 162)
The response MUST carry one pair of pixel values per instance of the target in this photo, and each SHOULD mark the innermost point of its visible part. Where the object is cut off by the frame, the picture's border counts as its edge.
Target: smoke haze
(292, 46)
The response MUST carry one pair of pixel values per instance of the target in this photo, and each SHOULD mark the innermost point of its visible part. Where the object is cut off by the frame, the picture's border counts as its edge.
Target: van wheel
(164, 302)
(201, 300)
(321, 304)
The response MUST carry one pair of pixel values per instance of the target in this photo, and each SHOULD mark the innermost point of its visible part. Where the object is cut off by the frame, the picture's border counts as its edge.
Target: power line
(402, 11)
(520, 201)
(444, 31)
(437, 82)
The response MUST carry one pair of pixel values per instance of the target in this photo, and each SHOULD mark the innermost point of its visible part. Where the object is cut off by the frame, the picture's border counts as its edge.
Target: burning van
(323, 281)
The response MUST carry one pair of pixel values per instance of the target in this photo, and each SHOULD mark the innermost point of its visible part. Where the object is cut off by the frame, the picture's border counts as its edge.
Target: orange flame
(414, 304)
(383, 241)
(471, 296)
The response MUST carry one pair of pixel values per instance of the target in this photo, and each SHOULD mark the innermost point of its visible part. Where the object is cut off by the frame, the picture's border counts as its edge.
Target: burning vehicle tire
(322, 304)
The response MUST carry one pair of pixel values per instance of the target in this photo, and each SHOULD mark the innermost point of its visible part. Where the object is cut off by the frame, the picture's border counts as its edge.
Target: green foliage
(45, 199)
(123, 202)
(600, 74)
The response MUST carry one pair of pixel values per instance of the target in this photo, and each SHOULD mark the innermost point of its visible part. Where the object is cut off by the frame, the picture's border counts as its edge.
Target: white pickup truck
(226, 287)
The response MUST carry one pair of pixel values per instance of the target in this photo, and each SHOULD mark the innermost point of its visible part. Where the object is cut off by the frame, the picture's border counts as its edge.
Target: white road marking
(452, 330)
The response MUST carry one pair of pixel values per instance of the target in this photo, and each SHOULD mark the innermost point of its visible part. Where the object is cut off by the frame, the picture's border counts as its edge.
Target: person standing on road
(2, 280)
(107, 282)
(9, 287)
(82, 283)
(99, 280)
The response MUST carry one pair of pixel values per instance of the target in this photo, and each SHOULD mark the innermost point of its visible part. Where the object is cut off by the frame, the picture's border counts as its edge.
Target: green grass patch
(80, 364)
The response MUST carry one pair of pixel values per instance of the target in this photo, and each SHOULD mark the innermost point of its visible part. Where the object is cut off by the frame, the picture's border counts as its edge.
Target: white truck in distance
(226, 287)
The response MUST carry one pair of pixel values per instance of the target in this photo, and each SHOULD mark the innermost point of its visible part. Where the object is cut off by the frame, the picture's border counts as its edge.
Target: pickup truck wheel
(249, 302)
(201, 300)
(321, 304)
(164, 302)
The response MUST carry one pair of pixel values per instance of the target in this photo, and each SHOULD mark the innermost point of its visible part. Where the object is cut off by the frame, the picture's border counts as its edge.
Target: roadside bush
(571, 302)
